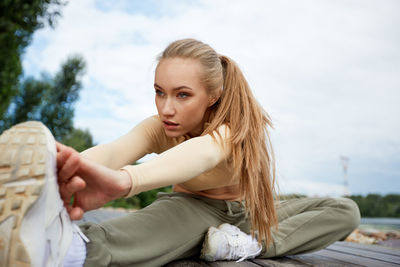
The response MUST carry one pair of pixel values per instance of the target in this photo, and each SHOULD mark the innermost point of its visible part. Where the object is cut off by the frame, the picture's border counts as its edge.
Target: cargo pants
(173, 227)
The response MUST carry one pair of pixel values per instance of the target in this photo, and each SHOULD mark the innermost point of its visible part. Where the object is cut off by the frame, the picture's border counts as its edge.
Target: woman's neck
(200, 129)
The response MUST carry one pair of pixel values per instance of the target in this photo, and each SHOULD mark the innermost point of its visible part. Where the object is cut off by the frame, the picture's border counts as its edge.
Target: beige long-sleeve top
(197, 165)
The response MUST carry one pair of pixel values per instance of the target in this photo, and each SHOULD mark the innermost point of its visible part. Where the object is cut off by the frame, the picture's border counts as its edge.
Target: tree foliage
(50, 100)
(57, 108)
(19, 19)
(139, 201)
(79, 139)
(374, 205)
(26, 102)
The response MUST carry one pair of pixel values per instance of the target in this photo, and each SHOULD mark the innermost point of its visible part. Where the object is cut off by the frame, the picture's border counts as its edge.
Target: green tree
(57, 109)
(78, 139)
(374, 205)
(139, 201)
(50, 100)
(26, 103)
(19, 19)
(146, 198)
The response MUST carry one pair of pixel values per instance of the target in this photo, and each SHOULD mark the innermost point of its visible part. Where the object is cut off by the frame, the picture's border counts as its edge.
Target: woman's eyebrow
(176, 88)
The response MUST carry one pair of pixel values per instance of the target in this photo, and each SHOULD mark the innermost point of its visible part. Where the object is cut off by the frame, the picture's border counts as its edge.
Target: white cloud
(327, 71)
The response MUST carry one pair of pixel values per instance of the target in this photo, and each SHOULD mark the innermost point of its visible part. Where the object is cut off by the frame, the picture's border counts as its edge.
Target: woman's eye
(159, 93)
(182, 95)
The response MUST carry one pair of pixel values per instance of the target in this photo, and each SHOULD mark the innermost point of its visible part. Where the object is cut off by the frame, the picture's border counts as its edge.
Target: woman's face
(181, 98)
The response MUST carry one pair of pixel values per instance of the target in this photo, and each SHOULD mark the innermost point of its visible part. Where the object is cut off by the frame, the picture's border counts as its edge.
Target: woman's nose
(168, 108)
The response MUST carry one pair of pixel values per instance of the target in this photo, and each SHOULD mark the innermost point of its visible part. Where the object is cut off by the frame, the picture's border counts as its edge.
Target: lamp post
(345, 164)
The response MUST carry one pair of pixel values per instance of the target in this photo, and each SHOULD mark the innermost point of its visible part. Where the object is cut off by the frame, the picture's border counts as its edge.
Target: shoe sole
(207, 253)
(22, 175)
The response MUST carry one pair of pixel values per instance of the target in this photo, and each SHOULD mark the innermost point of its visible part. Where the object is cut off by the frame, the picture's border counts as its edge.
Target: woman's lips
(169, 125)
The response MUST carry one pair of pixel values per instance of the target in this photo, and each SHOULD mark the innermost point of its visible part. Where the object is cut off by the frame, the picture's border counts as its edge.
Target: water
(380, 223)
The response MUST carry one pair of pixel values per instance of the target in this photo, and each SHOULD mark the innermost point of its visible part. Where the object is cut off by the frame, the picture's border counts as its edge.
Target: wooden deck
(337, 255)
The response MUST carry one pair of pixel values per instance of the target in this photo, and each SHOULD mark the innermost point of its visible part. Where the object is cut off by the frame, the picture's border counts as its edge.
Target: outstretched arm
(182, 163)
(93, 177)
(128, 148)
(91, 183)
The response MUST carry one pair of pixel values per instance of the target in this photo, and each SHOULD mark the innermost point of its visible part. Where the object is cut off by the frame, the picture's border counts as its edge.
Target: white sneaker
(227, 242)
(35, 228)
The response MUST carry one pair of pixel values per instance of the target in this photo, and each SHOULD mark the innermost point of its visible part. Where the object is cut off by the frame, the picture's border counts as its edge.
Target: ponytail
(252, 154)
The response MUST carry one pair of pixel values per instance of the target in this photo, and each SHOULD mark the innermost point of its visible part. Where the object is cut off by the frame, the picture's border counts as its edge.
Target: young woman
(213, 144)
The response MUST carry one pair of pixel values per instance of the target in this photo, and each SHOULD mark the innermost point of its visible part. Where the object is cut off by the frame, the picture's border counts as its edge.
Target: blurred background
(328, 73)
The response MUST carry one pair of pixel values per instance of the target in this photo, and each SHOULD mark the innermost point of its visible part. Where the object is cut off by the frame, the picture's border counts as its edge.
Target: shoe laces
(240, 246)
(78, 230)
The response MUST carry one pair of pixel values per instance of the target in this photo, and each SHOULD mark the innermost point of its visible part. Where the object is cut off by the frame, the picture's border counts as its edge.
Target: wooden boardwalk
(336, 255)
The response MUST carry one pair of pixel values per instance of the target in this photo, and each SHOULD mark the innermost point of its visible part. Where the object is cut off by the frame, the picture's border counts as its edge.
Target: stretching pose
(213, 142)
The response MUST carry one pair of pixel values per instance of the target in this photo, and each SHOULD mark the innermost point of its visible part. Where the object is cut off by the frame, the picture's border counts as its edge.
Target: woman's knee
(351, 213)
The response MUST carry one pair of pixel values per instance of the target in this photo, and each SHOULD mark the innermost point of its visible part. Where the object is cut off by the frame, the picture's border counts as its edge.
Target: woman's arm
(91, 184)
(181, 163)
(128, 148)
(93, 176)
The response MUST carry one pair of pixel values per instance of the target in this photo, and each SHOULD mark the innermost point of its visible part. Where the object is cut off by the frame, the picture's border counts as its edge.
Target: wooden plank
(188, 262)
(338, 254)
(279, 262)
(233, 264)
(363, 253)
(349, 258)
(199, 263)
(376, 248)
(317, 260)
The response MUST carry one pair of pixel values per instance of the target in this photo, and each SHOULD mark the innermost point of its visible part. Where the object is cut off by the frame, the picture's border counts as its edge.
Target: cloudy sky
(328, 72)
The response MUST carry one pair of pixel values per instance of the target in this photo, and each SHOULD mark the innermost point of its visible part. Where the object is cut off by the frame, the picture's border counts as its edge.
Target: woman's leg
(310, 224)
(171, 228)
(35, 229)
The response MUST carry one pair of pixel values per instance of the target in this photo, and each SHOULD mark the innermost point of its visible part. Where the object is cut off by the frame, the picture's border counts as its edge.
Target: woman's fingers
(68, 189)
(63, 152)
(75, 213)
(74, 185)
(68, 161)
(69, 164)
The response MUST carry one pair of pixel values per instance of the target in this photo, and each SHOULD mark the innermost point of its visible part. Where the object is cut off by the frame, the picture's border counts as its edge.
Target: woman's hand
(91, 184)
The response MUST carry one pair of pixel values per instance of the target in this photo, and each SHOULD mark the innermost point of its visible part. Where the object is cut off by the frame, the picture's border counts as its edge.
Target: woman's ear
(212, 100)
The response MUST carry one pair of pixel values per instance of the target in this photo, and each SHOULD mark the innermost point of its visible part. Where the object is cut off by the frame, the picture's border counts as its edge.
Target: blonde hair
(252, 154)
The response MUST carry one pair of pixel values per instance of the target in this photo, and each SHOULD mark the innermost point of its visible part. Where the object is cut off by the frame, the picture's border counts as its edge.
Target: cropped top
(198, 165)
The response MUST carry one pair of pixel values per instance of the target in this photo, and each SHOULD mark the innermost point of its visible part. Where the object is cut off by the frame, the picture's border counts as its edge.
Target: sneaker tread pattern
(22, 175)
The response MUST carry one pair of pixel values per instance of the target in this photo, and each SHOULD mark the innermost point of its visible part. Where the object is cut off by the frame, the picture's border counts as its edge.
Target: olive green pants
(174, 226)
